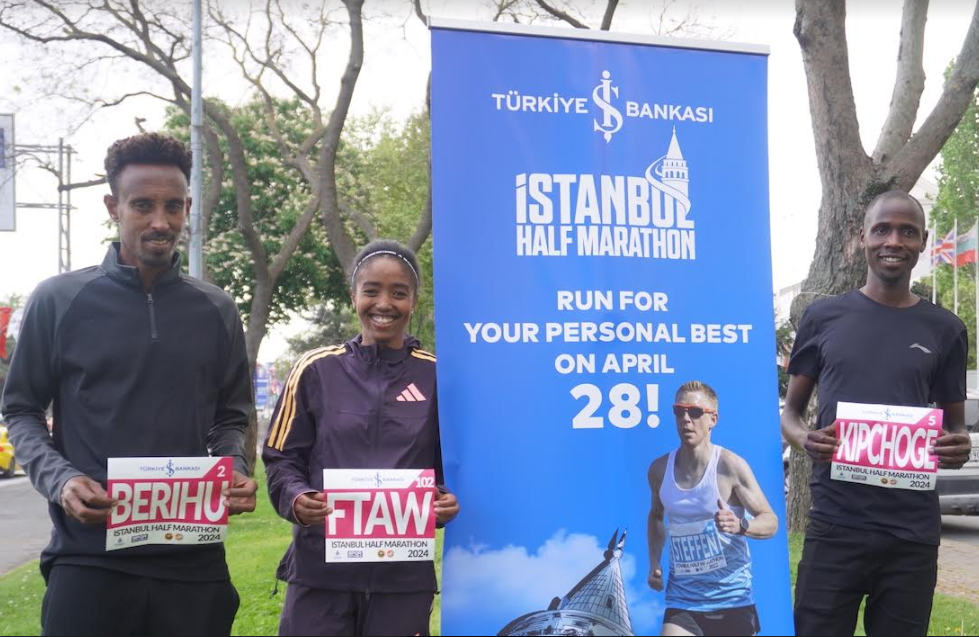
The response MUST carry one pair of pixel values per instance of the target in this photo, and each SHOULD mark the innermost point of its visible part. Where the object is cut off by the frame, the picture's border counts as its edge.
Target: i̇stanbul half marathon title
(607, 215)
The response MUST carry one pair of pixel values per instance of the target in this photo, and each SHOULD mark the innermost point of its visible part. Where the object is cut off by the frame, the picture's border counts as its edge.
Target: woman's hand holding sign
(310, 508)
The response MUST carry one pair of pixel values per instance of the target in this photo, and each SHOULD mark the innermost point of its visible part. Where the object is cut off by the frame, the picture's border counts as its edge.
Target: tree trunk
(255, 333)
(799, 499)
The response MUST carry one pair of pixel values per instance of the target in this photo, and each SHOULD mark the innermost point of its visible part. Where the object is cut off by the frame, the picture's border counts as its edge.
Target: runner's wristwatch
(744, 526)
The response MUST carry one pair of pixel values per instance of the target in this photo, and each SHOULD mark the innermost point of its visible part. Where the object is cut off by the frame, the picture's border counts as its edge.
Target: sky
(397, 60)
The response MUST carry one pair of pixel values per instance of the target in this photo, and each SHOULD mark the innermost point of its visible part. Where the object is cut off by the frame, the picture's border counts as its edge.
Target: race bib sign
(695, 548)
(167, 501)
(385, 515)
(887, 446)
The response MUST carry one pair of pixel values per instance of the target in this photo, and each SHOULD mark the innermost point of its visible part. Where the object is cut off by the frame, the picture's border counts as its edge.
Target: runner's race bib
(695, 548)
(887, 446)
(385, 515)
(167, 501)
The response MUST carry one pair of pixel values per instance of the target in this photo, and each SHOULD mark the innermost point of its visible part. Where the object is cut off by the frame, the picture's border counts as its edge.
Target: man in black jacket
(136, 359)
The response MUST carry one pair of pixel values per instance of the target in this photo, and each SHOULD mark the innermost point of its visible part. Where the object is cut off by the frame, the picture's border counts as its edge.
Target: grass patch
(21, 591)
(256, 542)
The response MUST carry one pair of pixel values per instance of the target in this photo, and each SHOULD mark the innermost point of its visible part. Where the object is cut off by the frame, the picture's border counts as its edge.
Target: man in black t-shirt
(880, 344)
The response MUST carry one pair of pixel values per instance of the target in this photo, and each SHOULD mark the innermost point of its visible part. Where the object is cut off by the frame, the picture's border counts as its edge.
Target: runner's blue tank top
(709, 570)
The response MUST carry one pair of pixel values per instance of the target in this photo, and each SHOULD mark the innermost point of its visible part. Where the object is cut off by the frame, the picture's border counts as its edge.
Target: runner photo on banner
(604, 316)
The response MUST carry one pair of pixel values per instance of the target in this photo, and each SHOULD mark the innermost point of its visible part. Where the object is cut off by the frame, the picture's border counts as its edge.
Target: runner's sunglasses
(695, 411)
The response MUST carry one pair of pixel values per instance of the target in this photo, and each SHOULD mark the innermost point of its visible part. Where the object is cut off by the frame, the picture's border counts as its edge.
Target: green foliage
(328, 326)
(958, 200)
(391, 174)
(385, 177)
(279, 196)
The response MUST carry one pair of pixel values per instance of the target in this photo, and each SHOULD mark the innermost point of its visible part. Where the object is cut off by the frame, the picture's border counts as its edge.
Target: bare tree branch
(609, 14)
(561, 15)
(291, 242)
(343, 245)
(505, 7)
(312, 51)
(83, 184)
(910, 82)
(116, 102)
(914, 157)
(359, 218)
(424, 228)
(74, 33)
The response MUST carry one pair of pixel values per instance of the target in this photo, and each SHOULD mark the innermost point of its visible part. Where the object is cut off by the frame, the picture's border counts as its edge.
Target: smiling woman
(367, 404)
(384, 290)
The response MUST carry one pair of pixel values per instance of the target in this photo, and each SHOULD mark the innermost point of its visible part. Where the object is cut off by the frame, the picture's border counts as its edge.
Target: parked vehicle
(958, 490)
(8, 463)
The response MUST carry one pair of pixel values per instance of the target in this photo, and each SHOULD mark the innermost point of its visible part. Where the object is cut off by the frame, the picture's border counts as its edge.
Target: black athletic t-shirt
(860, 351)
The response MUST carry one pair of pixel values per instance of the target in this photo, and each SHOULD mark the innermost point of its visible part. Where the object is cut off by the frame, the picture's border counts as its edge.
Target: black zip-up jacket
(340, 410)
(130, 374)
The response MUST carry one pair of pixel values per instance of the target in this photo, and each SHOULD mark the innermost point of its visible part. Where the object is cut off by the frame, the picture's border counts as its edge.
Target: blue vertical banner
(607, 376)
(261, 380)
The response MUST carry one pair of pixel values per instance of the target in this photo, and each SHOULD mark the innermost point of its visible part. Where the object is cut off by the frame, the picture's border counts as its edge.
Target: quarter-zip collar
(128, 275)
(373, 353)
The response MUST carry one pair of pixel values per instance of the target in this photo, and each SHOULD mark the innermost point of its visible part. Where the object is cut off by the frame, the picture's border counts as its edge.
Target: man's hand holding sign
(240, 496)
(85, 500)
(954, 445)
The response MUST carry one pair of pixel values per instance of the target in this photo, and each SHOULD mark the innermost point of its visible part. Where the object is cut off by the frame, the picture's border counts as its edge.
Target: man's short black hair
(894, 194)
(146, 148)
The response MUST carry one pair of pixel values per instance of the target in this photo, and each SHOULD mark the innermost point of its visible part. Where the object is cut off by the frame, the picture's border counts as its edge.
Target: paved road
(958, 557)
(961, 528)
(25, 527)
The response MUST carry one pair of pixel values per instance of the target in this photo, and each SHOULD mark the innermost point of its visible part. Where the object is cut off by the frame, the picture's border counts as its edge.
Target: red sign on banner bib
(167, 501)
(887, 446)
(385, 515)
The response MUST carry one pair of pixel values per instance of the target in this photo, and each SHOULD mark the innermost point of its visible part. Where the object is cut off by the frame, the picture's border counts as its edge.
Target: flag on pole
(944, 249)
(965, 246)
(955, 273)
